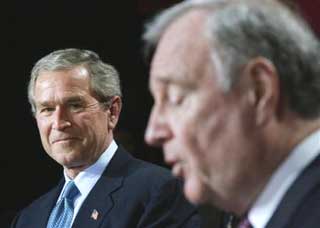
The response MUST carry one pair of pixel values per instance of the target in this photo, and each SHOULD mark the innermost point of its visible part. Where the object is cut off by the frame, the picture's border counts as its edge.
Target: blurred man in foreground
(236, 86)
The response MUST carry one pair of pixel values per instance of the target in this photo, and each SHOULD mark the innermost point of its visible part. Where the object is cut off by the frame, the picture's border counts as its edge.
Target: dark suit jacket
(300, 207)
(130, 193)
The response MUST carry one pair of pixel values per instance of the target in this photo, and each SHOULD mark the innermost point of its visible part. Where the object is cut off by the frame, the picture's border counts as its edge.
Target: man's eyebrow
(44, 103)
(167, 80)
(73, 99)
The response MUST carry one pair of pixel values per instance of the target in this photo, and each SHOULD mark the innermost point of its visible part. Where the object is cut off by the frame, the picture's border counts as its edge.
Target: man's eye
(175, 95)
(46, 110)
(76, 106)
(173, 100)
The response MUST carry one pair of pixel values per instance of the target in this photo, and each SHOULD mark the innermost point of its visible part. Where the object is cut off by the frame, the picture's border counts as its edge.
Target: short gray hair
(239, 30)
(104, 78)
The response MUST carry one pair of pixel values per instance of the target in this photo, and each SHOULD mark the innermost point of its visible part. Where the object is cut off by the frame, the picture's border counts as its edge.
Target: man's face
(73, 126)
(205, 132)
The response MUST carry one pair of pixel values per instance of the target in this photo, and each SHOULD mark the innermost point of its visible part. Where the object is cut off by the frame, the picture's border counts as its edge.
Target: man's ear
(265, 88)
(114, 111)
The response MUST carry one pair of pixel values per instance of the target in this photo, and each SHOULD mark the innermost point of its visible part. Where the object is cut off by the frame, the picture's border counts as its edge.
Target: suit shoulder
(146, 169)
(38, 203)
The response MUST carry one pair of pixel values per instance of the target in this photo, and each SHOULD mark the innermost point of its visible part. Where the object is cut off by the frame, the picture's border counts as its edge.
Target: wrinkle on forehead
(62, 84)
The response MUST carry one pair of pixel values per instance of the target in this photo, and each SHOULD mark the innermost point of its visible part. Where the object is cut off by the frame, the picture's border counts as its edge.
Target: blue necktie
(62, 213)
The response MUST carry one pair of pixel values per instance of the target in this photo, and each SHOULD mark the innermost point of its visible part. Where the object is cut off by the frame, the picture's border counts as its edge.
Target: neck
(294, 132)
(73, 172)
(279, 139)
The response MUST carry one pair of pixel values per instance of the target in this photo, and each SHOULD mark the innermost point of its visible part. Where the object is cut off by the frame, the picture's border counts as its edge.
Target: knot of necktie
(70, 191)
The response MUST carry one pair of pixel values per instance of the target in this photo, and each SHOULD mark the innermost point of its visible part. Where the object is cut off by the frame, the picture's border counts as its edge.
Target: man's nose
(60, 119)
(158, 130)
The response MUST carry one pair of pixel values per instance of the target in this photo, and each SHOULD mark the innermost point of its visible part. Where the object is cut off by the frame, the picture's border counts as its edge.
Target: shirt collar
(301, 156)
(87, 178)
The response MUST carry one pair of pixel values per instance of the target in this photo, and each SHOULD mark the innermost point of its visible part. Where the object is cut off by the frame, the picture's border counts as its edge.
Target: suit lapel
(99, 202)
(42, 214)
(306, 182)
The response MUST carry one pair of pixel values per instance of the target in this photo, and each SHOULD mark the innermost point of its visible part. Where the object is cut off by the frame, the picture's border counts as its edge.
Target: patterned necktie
(245, 223)
(62, 213)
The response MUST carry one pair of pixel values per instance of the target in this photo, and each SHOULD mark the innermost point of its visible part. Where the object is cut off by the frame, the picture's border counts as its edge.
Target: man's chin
(67, 160)
(194, 191)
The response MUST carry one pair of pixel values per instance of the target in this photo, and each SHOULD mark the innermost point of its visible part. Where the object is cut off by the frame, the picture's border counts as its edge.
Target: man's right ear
(265, 84)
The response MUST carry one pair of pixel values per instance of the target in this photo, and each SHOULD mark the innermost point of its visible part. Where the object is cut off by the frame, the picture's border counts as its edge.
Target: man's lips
(64, 139)
(176, 164)
(177, 169)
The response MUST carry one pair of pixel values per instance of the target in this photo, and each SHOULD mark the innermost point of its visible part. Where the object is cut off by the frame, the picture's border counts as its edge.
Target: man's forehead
(182, 49)
(67, 98)
(185, 34)
(191, 21)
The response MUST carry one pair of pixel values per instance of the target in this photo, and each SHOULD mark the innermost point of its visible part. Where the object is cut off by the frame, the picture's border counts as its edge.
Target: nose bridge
(158, 129)
(60, 118)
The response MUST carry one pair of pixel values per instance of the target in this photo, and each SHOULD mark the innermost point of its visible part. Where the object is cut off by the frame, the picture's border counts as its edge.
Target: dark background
(35, 28)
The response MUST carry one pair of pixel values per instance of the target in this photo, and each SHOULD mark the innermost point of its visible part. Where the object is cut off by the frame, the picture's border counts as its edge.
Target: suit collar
(46, 205)
(306, 182)
(282, 179)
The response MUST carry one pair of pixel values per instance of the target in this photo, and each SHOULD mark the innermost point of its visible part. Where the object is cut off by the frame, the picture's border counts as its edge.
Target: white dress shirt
(267, 202)
(86, 179)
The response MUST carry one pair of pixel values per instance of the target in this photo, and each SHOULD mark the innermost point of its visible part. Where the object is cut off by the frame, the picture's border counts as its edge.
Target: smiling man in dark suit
(236, 85)
(76, 101)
